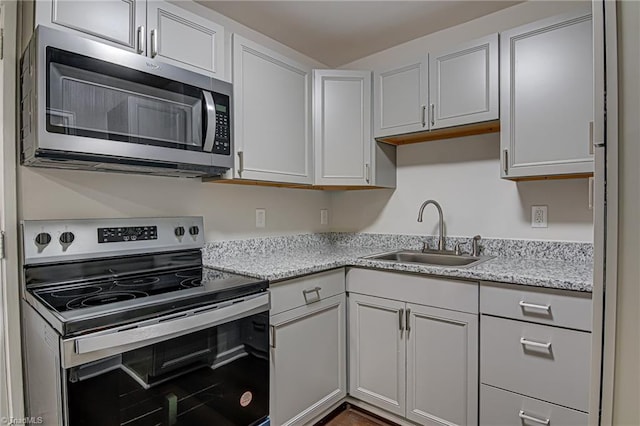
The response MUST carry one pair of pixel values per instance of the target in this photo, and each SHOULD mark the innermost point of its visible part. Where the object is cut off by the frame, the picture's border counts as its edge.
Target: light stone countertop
(284, 262)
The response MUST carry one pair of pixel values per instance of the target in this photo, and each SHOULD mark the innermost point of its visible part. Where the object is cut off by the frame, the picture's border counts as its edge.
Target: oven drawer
(546, 306)
(502, 408)
(548, 363)
(306, 290)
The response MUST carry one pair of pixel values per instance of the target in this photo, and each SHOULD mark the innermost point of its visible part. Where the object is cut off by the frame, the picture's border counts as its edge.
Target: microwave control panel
(222, 142)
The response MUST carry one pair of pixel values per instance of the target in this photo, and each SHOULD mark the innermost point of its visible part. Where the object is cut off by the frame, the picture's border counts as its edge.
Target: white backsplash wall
(463, 175)
(228, 210)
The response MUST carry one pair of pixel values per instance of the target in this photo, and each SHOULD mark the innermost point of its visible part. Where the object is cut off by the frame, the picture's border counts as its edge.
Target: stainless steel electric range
(124, 326)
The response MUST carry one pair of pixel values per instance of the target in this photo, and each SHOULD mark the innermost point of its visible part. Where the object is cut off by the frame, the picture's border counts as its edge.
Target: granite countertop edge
(538, 272)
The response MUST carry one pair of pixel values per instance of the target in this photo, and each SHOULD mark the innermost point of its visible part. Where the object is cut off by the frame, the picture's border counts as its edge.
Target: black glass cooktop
(104, 292)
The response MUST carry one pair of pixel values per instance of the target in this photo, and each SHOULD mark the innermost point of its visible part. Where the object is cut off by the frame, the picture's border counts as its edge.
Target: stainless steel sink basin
(434, 258)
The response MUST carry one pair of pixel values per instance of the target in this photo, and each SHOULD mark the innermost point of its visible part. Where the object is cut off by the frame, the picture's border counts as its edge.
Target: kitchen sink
(433, 258)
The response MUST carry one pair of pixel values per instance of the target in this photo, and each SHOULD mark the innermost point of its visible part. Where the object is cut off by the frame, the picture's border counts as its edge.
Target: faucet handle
(457, 250)
(475, 245)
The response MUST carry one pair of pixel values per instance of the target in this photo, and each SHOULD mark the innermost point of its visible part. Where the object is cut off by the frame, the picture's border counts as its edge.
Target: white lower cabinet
(442, 366)
(535, 356)
(417, 362)
(308, 351)
(503, 408)
(377, 352)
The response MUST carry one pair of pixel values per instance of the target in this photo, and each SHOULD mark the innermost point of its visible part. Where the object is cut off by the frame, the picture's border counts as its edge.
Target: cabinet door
(400, 99)
(272, 106)
(308, 360)
(377, 352)
(463, 83)
(116, 22)
(442, 366)
(547, 97)
(185, 39)
(342, 127)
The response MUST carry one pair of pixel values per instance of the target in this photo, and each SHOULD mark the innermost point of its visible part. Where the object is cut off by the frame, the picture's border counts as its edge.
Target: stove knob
(67, 238)
(179, 231)
(194, 230)
(43, 238)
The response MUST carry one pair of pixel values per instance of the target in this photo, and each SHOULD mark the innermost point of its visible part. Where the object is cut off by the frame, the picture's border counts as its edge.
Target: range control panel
(129, 233)
(66, 240)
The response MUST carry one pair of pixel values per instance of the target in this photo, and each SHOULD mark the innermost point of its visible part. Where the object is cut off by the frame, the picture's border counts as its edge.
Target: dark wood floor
(351, 417)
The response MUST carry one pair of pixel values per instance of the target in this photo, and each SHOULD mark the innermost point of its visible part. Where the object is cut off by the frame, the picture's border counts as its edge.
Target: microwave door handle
(210, 136)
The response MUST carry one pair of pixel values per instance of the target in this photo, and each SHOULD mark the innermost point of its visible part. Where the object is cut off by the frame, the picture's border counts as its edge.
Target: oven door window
(96, 99)
(217, 376)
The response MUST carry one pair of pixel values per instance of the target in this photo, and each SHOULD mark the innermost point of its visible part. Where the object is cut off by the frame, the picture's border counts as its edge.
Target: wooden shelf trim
(448, 133)
(291, 185)
(552, 177)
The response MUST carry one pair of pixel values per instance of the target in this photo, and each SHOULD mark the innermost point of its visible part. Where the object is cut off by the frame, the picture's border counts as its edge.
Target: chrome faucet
(440, 221)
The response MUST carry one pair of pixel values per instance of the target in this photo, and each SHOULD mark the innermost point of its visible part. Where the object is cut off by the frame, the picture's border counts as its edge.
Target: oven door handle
(210, 106)
(163, 330)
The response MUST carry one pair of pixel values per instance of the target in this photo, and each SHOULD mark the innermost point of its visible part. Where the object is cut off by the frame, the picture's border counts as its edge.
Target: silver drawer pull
(526, 342)
(524, 304)
(315, 290)
(525, 416)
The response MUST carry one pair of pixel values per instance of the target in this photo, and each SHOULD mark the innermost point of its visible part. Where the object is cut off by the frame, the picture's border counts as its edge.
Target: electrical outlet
(538, 216)
(261, 218)
(324, 217)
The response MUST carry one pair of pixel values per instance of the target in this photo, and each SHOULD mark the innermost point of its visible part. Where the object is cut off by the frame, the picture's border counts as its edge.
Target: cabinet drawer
(455, 295)
(502, 408)
(302, 291)
(548, 363)
(545, 306)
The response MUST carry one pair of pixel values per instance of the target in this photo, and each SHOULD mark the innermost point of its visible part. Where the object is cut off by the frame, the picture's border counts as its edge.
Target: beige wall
(626, 406)
(229, 210)
(464, 174)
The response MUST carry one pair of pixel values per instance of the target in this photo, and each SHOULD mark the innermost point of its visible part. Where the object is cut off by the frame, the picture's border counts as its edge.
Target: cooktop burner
(104, 292)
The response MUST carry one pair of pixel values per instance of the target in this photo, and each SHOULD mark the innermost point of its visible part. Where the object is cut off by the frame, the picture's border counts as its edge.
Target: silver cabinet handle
(424, 115)
(527, 342)
(591, 193)
(591, 144)
(141, 39)
(316, 290)
(407, 320)
(433, 115)
(367, 170)
(210, 107)
(505, 161)
(400, 318)
(525, 416)
(240, 163)
(525, 305)
(154, 43)
(273, 336)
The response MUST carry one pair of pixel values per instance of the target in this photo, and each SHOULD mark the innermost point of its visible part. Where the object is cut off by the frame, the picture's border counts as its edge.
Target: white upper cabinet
(342, 127)
(153, 28)
(400, 99)
(463, 84)
(120, 23)
(272, 115)
(185, 39)
(547, 97)
(445, 88)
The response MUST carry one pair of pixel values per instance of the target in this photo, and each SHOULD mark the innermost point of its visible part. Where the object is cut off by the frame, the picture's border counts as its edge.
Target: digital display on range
(129, 233)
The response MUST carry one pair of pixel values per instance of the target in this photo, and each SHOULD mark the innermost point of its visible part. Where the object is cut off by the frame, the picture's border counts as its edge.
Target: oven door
(208, 366)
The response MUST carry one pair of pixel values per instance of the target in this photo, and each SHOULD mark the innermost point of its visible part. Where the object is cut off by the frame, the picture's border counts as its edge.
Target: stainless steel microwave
(86, 105)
